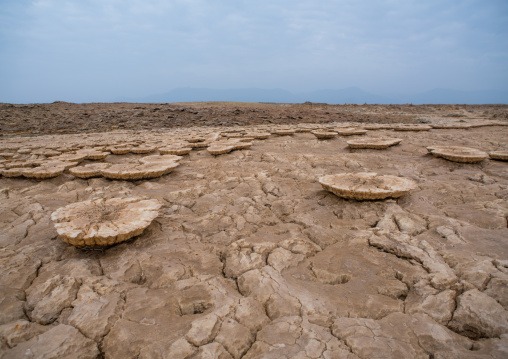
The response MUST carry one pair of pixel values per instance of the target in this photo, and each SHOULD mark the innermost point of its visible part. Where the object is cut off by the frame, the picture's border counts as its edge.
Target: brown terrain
(228, 244)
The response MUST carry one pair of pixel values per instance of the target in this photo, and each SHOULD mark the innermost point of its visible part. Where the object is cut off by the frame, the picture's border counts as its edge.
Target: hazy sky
(99, 50)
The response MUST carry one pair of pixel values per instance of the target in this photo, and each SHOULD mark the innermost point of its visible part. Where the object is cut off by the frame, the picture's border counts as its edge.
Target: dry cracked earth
(250, 257)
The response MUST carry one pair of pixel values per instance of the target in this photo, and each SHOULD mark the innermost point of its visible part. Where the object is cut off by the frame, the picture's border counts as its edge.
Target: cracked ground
(251, 258)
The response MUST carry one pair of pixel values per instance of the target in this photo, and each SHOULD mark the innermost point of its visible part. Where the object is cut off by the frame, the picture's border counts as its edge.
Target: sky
(101, 50)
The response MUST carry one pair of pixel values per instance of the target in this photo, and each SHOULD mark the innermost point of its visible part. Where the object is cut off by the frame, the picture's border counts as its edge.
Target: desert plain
(249, 256)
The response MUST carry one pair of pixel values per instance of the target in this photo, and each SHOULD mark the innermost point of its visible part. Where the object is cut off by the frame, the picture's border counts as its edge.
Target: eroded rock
(479, 316)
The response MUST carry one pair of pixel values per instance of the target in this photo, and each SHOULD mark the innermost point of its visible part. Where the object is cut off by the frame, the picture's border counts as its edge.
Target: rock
(498, 289)
(478, 273)
(251, 314)
(269, 288)
(212, 351)
(47, 301)
(203, 330)
(11, 305)
(235, 337)
(18, 270)
(281, 259)
(243, 256)
(438, 306)
(20, 331)
(294, 337)
(403, 246)
(479, 316)
(397, 336)
(95, 309)
(62, 341)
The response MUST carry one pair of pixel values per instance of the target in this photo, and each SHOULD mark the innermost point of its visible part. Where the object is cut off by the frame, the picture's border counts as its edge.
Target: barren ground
(250, 257)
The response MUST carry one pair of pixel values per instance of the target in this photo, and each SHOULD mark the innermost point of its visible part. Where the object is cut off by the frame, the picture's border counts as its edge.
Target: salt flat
(249, 256)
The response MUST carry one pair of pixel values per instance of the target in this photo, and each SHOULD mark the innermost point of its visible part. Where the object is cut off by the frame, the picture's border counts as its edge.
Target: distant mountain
(350, 95)
(448, 96)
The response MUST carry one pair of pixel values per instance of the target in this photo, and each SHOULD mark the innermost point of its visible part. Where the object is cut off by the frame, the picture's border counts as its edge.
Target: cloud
(91, 46)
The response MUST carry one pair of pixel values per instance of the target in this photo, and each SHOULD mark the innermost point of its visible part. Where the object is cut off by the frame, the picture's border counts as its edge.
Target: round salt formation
(450, 126)
(499, 155)
(93, 154)
(284, 132)
(102, 223)
(48, 169)
(222, 147)
(324, 135)
(378, 126)
(90, 170)
(132, 171)
(458, 153)
(71, 157)
(373, 143)
(120, 150)
(13, 172)
(143, 149)
(351, 131)
(259, 135)
(160, 159)
(412, 128)
(366, 185)
(175, 150)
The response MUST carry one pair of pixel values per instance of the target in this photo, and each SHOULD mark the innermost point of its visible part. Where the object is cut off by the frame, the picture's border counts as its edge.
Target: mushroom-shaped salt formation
(194, 145)
(373, 143)
(92, 154)
(19, 164)
(366, 185)
(458, 153)
(324, 135)
(378, 126)
(120, 150)
(175, 150)
(143, 149)
(71, 157)
(499, 155)
(351, 131)
(258, 135)
(284, 132)
(7, 154)
(412, 128)
(13, 172)
(450, 126)
(24, 151)
(195, 139)
(133, 171)
(47, 152)
(90, 170)
(160, 159)
(222, 147)
(102, 223)
(48, 169)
